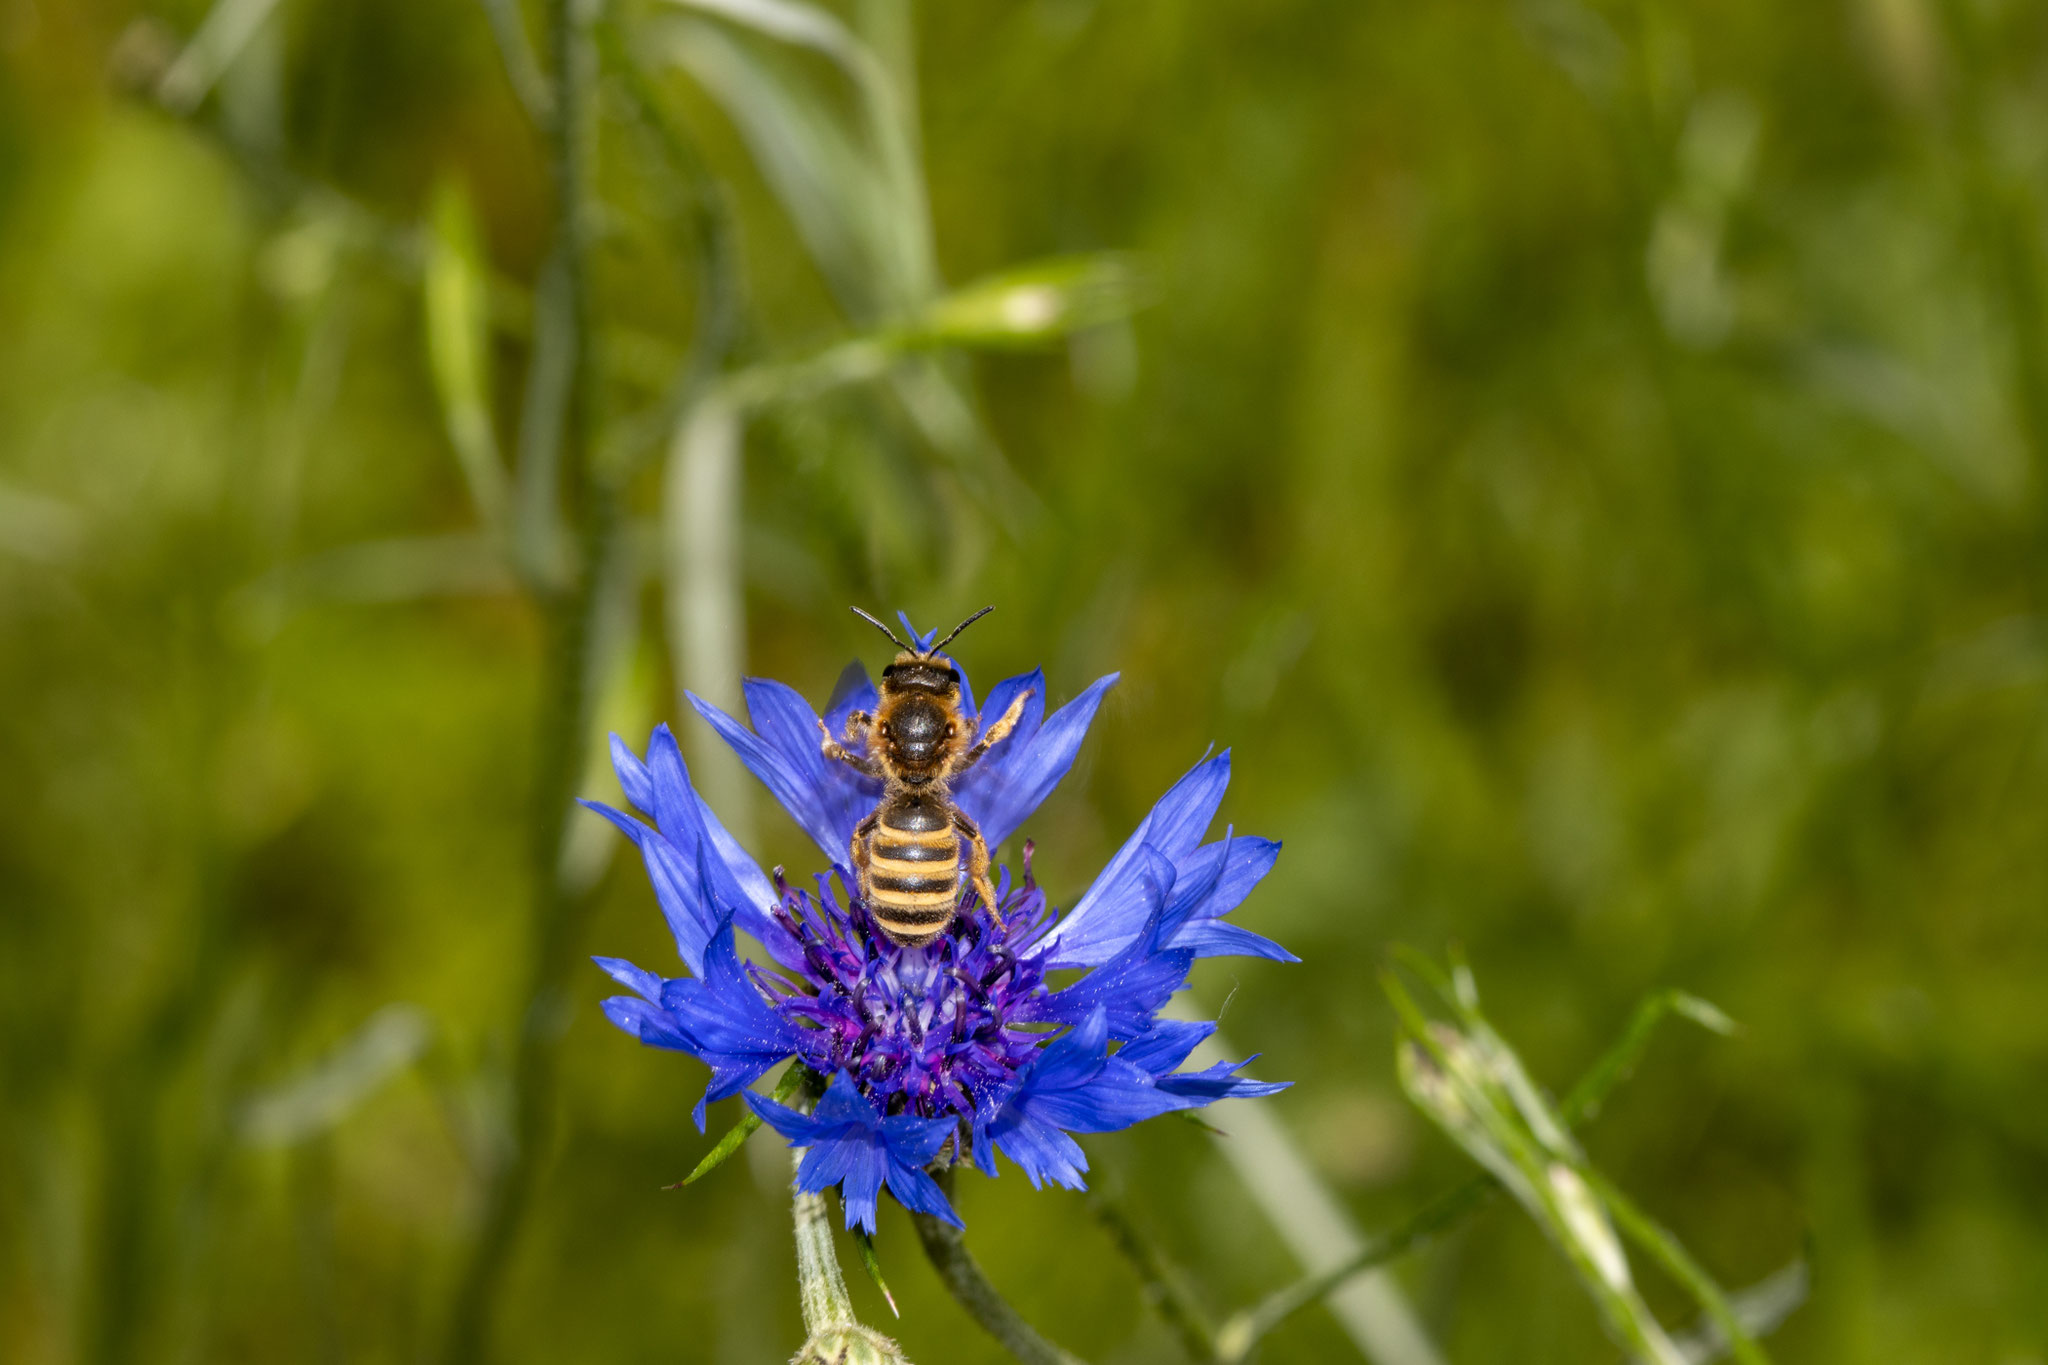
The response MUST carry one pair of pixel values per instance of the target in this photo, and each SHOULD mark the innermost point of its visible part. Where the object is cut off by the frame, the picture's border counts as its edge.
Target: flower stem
(820, 1287)
(832, 1335)
(946, 1247)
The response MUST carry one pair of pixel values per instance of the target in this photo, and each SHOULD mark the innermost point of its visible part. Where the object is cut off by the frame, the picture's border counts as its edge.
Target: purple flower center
(928, 1031)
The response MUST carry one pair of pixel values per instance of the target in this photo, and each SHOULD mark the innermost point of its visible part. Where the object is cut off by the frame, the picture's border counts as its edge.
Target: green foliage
(1589, 459)
(1474, 1087)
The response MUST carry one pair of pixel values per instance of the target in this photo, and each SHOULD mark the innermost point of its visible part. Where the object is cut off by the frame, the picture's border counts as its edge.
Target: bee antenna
(885, 630)
(962, 626)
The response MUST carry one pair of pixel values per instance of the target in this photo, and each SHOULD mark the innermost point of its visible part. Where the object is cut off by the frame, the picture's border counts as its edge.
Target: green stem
(1667, 1251)
(564, 724)
(946, 1247)
(1243, 1330)
(1165, 1290)
(821, 1288)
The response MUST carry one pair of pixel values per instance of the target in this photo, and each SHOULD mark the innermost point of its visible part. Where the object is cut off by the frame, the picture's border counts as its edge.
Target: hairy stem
(946, 1247)
(821, 1289)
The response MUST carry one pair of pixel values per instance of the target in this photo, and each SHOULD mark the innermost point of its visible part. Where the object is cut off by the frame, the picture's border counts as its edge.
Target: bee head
(923, 670)
(919, 722)
(929, 673)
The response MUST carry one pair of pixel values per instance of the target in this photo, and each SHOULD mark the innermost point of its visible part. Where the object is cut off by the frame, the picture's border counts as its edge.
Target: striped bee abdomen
(913, 871)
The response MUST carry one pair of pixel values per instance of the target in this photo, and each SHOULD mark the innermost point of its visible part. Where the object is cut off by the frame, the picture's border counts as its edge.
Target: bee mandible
(906, 853)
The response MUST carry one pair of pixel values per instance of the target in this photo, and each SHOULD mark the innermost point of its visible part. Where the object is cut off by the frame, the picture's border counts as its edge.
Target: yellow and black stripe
(913, 871)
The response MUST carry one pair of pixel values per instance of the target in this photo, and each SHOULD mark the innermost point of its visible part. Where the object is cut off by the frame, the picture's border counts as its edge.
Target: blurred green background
(1589, 459)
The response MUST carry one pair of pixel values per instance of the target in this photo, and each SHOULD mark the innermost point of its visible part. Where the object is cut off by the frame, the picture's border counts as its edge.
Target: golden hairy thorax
(906, 853)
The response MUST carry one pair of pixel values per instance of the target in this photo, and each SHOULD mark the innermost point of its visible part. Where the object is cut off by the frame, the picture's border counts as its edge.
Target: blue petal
(922, 640)
(1041, 1151)
(855, 692)
(827, 799)
(741, 884)
(639, 980)
(793, 1124)
(1240, 862)
(1129, 989)
(854, 1147)
(1074, 1086)
(1016, 776)
(843, 1104)
(699, 871)
(1166, 1046)
(825, 1164)
(1078, 1086)
(1184, 814)
(1073, 1058)
(1220, 1082)
(675, 806)
(634, 779)
(917, 1140)
(725, 1011)
(1115, 909)
(984, 1150)
(678, 887)
(1214, 938)
(1210, 881)
(1125, 901)
(1119, 1096)
(650, 1023)
(738, 1034)
(917, 1192)
(865, 1167)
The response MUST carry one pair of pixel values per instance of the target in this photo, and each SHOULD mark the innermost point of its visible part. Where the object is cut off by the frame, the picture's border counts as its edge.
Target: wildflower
(962, 1048)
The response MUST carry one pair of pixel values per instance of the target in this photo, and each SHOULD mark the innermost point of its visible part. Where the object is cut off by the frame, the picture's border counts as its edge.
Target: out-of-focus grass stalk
(946, 1247)
(557, 474)
(1309, 1218)
(522, 69)
(1456, 1083)
(199, 66)
(2008, 234)
(1165, 1289)
(545, 421)
(1472, 1085)
(458, 351)
(1243, 1330)
(707, 610)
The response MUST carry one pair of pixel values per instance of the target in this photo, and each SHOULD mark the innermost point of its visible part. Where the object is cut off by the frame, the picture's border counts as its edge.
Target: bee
(906, 853)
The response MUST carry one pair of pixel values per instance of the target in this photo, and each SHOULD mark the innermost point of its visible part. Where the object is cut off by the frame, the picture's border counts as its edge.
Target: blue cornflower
(962, 1046)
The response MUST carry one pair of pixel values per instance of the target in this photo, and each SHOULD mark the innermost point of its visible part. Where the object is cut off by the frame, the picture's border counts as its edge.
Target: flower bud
(849, 1344)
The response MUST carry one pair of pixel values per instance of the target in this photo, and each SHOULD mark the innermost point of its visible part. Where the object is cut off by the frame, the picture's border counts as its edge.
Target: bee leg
(995, 733)
(977, 859)
(856, 729)
(857, 849)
